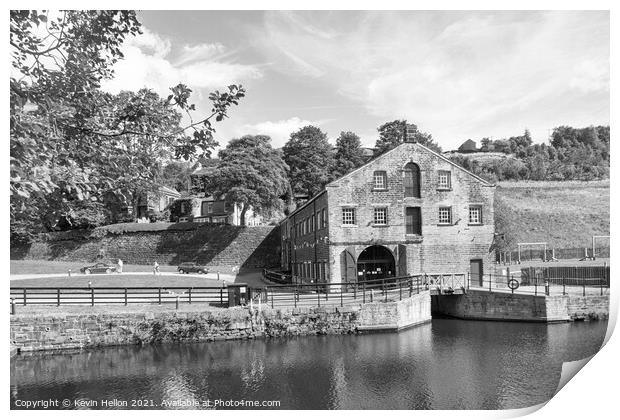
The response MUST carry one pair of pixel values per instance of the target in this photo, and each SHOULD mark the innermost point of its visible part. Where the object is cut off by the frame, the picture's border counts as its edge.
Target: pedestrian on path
(155, 268)
(120, 265)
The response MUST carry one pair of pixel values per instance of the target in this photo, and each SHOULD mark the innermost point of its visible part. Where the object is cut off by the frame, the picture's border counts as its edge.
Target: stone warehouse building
(408, 211)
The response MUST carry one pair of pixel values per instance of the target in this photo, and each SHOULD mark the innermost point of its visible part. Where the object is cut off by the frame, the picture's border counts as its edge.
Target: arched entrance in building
(375, 262)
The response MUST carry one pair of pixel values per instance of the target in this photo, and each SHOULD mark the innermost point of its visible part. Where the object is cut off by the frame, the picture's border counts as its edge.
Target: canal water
(446, 364)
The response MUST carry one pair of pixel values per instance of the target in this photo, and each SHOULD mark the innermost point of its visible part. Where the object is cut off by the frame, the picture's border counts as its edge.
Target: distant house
(469, 146)
(149, 203)
(211, 210)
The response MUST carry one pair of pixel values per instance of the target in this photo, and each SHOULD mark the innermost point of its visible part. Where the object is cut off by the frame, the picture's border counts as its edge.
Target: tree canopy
(250, 173)
(572, 154)
(391, 134)
(349, 154)
(70, 142)
(310, 159)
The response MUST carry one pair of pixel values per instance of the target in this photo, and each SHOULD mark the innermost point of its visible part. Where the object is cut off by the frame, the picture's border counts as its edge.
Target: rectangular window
(348, 216)
(324, 218)
(380, 180)
(445, 215)
(475, 215)
(313, 224)
(380, 216)
(445, 180)
(413, 221)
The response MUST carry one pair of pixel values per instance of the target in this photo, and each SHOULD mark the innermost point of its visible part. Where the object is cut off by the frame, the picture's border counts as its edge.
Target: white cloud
(279, 131)
(199, 52)
(147, 63)
(455, 74)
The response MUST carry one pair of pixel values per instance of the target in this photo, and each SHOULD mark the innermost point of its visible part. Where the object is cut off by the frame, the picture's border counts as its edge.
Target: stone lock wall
(485, 305)
(589, 307)
(70, 331)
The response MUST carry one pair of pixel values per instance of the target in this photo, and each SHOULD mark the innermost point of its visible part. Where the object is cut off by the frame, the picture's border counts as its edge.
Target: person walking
(155, 268)
(120, 265)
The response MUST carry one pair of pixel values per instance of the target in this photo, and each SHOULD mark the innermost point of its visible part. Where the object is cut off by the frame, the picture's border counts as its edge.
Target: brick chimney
(410, 132)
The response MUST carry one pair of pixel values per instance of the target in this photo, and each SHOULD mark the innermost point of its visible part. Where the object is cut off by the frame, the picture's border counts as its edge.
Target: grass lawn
(121, 280)
(564, 214)
(61, 267)
(168, 277)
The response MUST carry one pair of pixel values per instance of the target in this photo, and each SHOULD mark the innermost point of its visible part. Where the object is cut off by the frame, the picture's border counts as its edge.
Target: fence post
(189, 295)
(384, 291)
(125, 296)
(563, 286)
(92, 298)
(271, 294)
(24, 297)
(601, 287)
(295, 294)
(341, 296)
(13, 311)
(490, 282)
(57, 297)
(355, 292)
(159, 295)
(363, 293)
(222, 296)
(318, 296)
(584, 288)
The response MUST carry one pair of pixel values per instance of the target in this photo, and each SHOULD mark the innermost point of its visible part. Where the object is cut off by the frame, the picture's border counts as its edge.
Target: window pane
(380, 216)
(445, 215)
(348, 216)
(445, 179)
(380, 179)
(475, 214)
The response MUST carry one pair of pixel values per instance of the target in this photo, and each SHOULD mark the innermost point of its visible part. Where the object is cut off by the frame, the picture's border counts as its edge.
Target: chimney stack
(410, 132)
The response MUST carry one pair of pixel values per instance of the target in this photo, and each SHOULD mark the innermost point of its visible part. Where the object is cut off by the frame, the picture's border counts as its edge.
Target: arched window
(412, 180)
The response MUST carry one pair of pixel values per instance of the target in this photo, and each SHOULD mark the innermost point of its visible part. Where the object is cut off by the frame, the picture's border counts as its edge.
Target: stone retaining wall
(240, 246)
(588, 307)
(484, 305)
(62, 332)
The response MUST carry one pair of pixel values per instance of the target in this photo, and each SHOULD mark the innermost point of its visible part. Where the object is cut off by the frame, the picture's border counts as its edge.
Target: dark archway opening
(375, 262)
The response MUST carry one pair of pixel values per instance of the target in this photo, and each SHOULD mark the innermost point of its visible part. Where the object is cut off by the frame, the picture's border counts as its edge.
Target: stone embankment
(485, 305)
(71, 331)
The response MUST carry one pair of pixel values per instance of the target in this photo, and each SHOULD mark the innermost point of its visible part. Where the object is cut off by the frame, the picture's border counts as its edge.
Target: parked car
(99, 268)
(192, 267)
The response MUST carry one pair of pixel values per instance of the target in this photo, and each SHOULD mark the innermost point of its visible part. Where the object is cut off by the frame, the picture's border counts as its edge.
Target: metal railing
(552, 254)
(539, 286)
(117, 295)
(277, 277)
(351, 293)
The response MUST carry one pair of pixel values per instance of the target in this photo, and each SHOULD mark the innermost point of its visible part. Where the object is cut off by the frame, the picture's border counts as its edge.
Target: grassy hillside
(564, 214)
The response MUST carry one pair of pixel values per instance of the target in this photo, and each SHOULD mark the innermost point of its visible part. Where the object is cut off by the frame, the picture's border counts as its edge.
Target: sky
(456, 74)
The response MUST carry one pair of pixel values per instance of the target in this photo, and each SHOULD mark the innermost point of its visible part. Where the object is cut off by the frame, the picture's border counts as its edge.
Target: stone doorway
(375, 262)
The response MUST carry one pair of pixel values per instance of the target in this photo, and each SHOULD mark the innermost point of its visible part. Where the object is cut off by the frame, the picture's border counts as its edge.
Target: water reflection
(447, 364)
